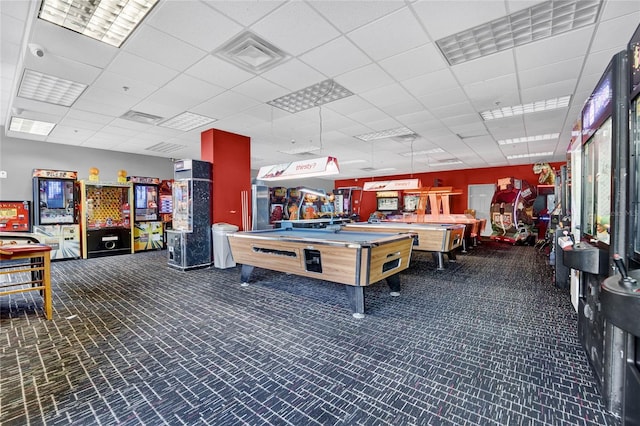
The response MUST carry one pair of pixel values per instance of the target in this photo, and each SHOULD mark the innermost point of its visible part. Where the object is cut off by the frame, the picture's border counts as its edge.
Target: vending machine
(147, 224)
(15, 216)
(189, 242)
(166, 207)
(106, 218)
(55, 212)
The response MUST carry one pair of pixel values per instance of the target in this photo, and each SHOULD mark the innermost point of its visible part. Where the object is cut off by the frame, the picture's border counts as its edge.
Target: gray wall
(18, 157)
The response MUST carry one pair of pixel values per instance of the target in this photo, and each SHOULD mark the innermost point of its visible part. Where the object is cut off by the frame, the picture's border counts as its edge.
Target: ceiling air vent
(141, 117)
(252, 53)
(165, 147)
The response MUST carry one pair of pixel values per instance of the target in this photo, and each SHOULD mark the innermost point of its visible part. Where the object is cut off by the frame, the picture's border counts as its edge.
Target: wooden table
(32, 258)
(356, 259)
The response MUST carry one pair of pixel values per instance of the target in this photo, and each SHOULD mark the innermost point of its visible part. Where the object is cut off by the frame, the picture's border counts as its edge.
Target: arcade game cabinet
(512, 210)
(147, 230)
(55, 212)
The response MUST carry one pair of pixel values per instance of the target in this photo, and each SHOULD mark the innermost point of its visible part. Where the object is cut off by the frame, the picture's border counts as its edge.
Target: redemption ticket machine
(55, 214)
(189, 242)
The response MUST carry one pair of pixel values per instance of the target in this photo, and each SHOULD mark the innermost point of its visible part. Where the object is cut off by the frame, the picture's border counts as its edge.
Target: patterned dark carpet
(487, 341)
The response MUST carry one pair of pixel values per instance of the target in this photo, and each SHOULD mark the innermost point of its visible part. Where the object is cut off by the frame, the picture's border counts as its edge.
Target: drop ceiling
(386, 53)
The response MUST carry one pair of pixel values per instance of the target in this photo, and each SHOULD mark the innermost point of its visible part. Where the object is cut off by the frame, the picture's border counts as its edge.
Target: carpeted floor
(488, 341)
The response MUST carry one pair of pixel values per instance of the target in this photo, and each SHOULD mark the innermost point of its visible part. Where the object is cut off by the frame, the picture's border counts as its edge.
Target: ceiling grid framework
(387, 55)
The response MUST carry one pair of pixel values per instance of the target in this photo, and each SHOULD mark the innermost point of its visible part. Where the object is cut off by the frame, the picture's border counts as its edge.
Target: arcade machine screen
(56, 201)
(15, 216)
(146, 207)
(634, 58)
(597, 126)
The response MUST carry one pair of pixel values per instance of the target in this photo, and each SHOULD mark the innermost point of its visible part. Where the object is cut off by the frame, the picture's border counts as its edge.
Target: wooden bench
(35, 259)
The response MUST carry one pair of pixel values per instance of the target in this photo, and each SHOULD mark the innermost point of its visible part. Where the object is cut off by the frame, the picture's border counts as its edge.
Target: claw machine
(189, 242)
(55, 212)
(147, 224)
(106, 218)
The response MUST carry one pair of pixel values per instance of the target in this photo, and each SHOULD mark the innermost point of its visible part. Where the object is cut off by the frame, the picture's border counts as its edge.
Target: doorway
(479, 199)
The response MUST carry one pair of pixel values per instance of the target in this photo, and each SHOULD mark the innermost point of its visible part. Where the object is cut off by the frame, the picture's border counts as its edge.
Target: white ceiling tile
(246, 12)
(81, 124)
(295, 28)
(98, 108)
(615, 32)
(366, 78)
(404, 108)
(341, 13)
(437, 15)
(415, 62)
(224, 105)
(492, 66)
(430, 83)
(260, 89)
(118, 82)
(294, 75)
(490, 94)
(186, 91)
(347, 105)
(554, 90)
(216, 71)
(161, 48)
(195, 23)
(391, 35)
(141, 69)
(615, 9)
(387, 95)
(443, 98)
(554, 49)
(336, 57)
(62, 43)
(539, 76)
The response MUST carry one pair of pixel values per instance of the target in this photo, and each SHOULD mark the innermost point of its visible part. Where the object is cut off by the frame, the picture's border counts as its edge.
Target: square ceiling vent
(252, 53)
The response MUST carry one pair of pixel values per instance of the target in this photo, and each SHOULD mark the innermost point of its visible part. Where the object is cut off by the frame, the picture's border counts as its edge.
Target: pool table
(356, 259)
(438, 238)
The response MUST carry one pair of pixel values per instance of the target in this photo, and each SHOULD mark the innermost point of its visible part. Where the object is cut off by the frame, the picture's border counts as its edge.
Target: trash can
(222, 257)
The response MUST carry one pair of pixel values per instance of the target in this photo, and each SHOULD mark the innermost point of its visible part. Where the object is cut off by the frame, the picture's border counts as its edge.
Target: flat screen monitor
(56, 203)
(146, 202)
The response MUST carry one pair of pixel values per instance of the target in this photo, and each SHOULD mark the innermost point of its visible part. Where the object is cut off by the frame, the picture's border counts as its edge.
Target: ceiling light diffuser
(538, 106)
(384, 134)
(423, 152)
(301, 150)
(533, 154)
(187, 121)
(529, 139)
(33, 127)
(312, 96)
(538, 22)
(109, 21)
(47, 88)
(445, 163)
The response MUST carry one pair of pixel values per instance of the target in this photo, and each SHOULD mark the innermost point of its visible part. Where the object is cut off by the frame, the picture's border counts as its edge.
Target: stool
(33, 258)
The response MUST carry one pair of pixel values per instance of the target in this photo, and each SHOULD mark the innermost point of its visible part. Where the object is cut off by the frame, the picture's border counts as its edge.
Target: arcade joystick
(626, 280)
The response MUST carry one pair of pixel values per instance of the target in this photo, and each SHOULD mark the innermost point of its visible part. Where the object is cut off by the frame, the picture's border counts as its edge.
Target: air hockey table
(356, 259)
(438, 238)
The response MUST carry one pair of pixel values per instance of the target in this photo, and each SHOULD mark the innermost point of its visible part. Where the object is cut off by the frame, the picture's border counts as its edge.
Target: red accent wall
(458, 179)
(230, 155)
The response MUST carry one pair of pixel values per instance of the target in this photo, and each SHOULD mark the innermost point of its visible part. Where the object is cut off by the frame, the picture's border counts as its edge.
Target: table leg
(46, 280)
(439, 258)
(356, 300)
(393, 282)
(245, 274)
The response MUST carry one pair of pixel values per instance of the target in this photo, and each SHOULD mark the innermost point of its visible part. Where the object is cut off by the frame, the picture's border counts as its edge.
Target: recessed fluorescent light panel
(424, 152)
(342, 163)
(538, 106)
(538, 22)
(533, 154)
(47, 88)
(34, 127)
(165, 147)
(529, 139)
(445, 163)
(312, 96)
(109, 21)
(302, 150)
(187, 121)
(384, 134)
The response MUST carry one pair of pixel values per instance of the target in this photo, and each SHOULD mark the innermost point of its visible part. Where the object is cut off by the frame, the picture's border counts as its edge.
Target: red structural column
(230, 155)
